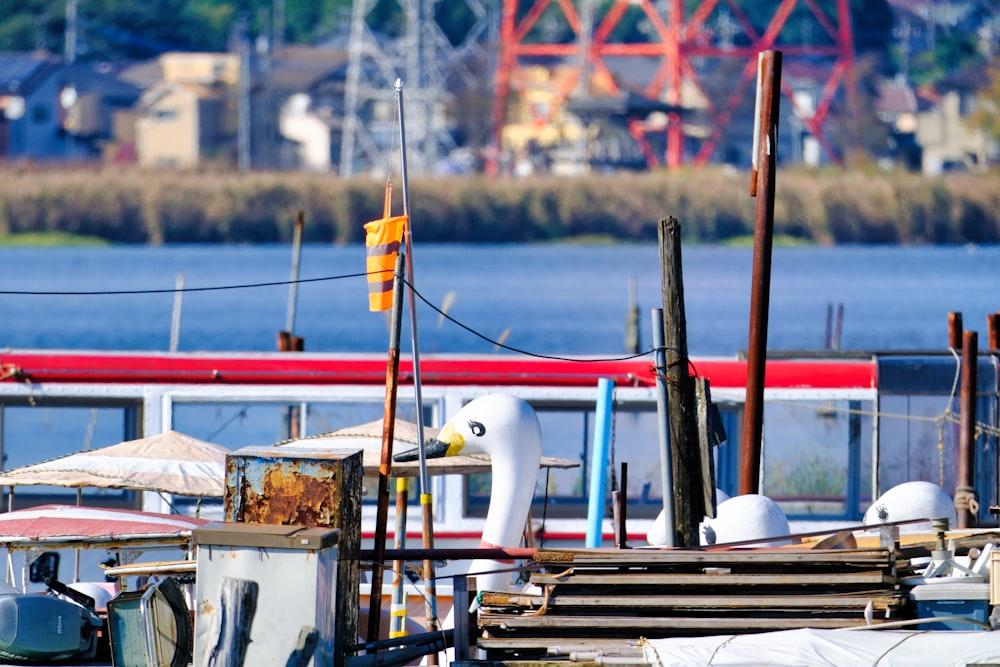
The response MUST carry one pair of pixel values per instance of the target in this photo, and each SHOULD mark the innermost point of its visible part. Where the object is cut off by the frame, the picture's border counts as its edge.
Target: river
(553, 298)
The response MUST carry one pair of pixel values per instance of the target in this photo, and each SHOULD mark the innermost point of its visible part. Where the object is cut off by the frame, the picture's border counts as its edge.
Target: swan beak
(448, 443)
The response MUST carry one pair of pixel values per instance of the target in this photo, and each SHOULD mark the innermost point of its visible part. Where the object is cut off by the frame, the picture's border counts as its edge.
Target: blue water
(554, 298)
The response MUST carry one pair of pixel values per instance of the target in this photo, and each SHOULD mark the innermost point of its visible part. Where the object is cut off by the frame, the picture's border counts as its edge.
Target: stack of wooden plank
(610, 598)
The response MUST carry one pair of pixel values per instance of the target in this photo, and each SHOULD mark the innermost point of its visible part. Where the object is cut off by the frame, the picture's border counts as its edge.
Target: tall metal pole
(69, 47)
(385, 463)
(965, 491)
(666, 466)
(769, 84)
(243, 161)
(426, 497)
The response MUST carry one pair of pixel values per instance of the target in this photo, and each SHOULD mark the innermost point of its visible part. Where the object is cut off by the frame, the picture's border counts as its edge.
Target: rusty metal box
(310, 488)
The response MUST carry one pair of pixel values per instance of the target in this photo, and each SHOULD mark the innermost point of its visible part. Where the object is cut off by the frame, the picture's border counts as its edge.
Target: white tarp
(170, 462)
(885, 648)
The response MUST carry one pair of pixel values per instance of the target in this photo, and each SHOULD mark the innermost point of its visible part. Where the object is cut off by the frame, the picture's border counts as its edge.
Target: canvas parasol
(368, 437)
(170, 462)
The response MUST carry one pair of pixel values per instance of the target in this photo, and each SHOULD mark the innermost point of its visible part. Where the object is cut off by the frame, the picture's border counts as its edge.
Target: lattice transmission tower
(431, 62)
(685, 44)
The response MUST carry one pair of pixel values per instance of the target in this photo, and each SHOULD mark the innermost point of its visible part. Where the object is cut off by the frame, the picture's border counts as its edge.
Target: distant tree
(855, 128)
(952, 50)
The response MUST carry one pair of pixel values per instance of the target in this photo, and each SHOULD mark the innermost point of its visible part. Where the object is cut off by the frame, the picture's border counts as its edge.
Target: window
(164, 114)
(817, 457)
(567, 432)
(33, 433)
(40, 114)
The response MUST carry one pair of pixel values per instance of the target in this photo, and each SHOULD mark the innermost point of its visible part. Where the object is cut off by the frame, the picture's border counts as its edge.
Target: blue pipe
(599, 463)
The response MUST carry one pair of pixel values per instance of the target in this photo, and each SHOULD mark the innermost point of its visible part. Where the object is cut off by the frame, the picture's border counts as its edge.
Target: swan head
(495, 424)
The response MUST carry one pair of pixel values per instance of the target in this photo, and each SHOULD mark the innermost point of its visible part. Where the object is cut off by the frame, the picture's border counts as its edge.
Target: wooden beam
(856, 601)
(670, 624)
(658, 579)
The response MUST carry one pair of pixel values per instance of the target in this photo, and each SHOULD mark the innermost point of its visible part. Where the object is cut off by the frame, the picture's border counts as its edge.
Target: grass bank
(48, 240)
(823, 207)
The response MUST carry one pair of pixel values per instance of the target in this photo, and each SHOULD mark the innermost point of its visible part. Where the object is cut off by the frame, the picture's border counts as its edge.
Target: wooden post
(685, 459)
(460, 598)
(955, 330)
(993, 332)
(965, 490)
(385, 465)
(703, 401)
(632, 341)
(619, 499)
(828, 335)
(769, 86)
(838, 327)
(239, 606)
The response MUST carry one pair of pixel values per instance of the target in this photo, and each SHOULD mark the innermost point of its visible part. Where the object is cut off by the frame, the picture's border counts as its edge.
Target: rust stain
(291, 497)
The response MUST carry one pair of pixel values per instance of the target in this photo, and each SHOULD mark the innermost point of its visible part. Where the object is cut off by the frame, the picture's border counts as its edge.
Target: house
(30, 112)
(306, 87)
(189, 116)
(947, 138)
(180, 125)
(91, 95)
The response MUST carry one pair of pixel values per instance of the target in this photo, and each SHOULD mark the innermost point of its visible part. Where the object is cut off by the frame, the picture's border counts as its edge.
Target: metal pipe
(955, 330)
(456, 553)
(397, 623)
(769, 84)
(599, 463)
(993, 331)
(666, 466)
(426, 498)
(965, 489)
(293, 288)
(385, 464)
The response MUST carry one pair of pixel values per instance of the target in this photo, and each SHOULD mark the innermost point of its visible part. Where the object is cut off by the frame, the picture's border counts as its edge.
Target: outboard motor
(37, 627)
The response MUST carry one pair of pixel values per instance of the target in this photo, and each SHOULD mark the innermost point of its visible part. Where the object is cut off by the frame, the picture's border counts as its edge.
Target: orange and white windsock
(382, 241)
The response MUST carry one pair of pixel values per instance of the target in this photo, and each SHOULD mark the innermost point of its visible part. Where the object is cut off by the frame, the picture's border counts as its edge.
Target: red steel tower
(679, 37)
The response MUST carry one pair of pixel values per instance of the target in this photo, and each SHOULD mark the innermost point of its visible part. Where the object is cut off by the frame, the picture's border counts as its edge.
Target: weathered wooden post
(765, 151)
(965, 490)
(688, 502)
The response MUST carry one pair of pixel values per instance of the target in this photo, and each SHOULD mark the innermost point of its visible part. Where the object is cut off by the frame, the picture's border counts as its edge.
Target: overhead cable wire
(276, 283)
(174, 290)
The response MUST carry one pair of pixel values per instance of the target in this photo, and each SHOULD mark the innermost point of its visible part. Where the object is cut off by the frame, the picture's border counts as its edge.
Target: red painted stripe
(331, 369)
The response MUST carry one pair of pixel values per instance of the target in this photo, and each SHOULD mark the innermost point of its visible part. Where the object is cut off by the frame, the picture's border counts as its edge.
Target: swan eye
(477, 429)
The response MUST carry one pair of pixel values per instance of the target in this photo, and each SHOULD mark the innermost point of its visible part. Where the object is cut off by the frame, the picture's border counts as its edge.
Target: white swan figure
(506, 428)
(747, 517)
(657, 534)
(912, 500)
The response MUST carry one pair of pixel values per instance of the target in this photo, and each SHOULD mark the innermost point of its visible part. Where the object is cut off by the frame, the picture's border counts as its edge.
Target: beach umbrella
(170, 462)
(368, 438)
(48, 524)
